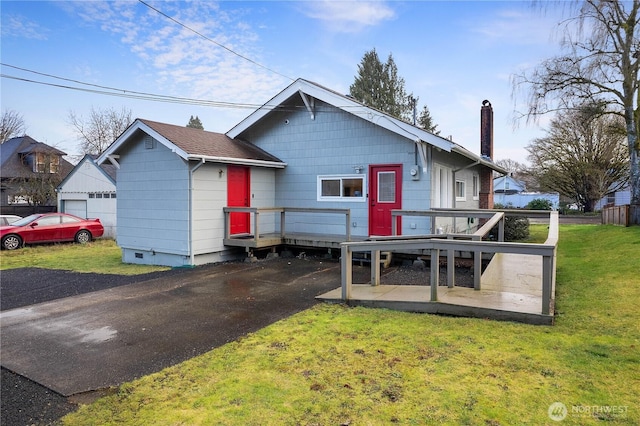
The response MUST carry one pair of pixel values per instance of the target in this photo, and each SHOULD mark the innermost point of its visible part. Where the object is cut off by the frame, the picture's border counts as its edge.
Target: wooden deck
(517, 285)
(511, 289)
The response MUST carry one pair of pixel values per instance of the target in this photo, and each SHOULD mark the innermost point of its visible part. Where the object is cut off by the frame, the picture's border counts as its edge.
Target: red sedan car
(49, 228)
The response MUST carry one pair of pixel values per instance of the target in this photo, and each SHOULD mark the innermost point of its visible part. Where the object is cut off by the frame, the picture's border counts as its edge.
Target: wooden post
(256, 235)
(347, 274)
(348, 225)
(547, 278)
(435, 274)
(375, 267)
(227, 225)
(282, 224)
(501, 230)
(451, 267)
(477, 269)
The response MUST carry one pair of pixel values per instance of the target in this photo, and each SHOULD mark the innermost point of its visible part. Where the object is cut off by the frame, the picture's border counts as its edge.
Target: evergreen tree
(426, 121)
(195, 123)
(378, 85)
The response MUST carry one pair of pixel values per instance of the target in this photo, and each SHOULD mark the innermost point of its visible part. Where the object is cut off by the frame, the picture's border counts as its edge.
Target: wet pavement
(104, 338)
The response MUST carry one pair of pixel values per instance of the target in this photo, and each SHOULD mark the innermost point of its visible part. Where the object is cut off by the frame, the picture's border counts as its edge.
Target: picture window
(341, 188)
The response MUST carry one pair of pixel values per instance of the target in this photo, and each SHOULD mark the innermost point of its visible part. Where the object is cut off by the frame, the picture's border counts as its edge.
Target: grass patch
(333, 365)
(101, 256)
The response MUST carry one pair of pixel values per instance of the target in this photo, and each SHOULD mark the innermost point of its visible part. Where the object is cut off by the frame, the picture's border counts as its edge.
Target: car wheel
(11, 242)
(83, 236)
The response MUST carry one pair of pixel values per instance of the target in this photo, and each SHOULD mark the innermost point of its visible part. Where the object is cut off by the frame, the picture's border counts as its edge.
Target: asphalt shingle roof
(197, 142)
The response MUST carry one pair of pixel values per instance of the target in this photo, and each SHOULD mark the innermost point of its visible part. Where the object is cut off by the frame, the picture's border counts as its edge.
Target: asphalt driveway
(105, 338)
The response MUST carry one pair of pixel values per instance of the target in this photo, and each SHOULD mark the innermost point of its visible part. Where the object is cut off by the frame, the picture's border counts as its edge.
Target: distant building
(511, 192)
(30, 171)
(89, 191)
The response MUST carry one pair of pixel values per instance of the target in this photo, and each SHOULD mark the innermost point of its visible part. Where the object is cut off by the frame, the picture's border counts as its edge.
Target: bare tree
(39, 188)
(582, 157)
(12, 125)
(600, 65)
(100, 129)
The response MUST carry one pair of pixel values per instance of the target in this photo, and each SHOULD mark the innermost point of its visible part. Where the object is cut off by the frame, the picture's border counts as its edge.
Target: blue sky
(452, 55)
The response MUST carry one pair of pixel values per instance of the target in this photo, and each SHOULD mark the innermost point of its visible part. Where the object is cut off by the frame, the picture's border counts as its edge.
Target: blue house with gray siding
(307, 147)
(343, 154)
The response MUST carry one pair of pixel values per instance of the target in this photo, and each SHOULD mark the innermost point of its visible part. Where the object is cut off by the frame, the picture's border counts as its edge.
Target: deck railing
(434, 243)
(280, 231)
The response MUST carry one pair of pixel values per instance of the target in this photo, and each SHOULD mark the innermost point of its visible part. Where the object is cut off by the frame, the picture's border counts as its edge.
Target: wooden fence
(616, 215)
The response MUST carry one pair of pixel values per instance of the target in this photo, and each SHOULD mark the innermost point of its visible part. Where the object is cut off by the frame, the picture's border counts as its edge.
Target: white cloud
(182, 62)
(510, 26)
(348, 16)
(19, 26)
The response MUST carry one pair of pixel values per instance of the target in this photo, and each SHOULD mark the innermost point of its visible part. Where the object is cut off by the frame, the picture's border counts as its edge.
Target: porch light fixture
(220, 173)
(358, 169)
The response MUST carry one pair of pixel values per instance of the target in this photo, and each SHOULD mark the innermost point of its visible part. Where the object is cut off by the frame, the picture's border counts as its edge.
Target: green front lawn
(102, 256)
(334, 365)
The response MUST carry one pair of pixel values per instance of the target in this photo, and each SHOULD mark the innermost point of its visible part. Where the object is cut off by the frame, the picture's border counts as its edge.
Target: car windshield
(26, 220)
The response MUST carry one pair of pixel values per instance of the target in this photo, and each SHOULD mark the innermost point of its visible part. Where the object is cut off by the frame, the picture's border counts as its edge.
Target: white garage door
(76, 207)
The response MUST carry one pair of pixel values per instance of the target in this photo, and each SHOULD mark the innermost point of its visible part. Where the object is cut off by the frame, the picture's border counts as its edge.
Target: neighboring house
(508, 185)
(30, 171)
(307, 147)
(511, 192)
(617, 198)
(89, 191)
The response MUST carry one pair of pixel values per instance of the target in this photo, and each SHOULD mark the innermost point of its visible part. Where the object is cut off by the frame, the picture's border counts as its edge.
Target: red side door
(238, 195)
(385, 194)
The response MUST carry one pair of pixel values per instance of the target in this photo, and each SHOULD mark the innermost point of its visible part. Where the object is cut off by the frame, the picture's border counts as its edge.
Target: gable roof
(11, 151)
(309, 91)
(107, 169)
(500, 184)
(196, 144)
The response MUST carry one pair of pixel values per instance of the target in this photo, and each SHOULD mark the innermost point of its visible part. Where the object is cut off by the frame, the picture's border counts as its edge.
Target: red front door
(385, 194)
(238, 195)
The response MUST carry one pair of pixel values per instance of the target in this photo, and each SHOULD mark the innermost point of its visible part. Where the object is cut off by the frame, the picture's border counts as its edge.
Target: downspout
(190, 230)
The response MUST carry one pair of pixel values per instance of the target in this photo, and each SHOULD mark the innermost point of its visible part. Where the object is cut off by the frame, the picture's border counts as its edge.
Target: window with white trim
(476, 187)
(341, 188)
(461, 190)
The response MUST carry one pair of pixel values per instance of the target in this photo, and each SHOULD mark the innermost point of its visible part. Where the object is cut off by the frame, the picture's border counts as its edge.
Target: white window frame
(464, 190)
(342, 198)
(476, 187)
(442, 177)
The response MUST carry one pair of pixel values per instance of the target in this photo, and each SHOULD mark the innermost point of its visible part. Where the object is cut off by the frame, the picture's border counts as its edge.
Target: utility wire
(123, 92)
(213, 41)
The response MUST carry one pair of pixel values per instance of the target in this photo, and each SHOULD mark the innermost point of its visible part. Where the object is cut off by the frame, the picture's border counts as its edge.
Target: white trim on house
(344, 103)
(238, 161)
(139, 125)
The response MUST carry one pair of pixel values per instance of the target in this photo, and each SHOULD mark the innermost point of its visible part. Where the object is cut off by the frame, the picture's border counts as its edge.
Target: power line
(213, 41)
(113, 91)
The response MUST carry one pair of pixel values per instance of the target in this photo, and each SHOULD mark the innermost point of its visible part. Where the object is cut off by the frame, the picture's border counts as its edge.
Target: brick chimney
(486, 151)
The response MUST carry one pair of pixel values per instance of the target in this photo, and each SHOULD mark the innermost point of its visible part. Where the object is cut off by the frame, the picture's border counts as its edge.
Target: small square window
(460, 190)
(476, 187)
(92, 195)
